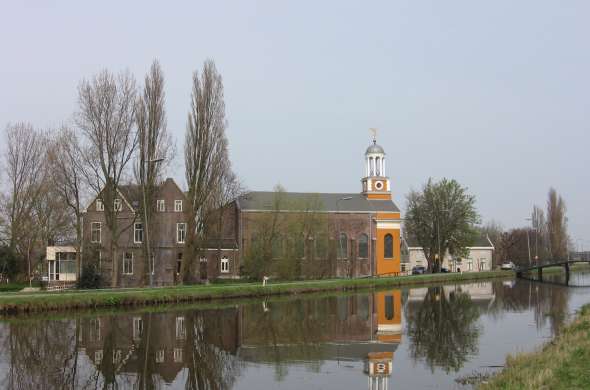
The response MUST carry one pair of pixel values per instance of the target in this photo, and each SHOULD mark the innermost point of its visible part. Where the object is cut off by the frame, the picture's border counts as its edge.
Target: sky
(494, 94)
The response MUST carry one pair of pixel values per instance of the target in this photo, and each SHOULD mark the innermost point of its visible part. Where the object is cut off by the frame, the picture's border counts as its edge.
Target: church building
(359, 233)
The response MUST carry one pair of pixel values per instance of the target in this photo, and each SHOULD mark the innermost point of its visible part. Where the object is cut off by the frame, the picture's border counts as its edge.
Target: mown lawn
(564, 363)
(12, 303)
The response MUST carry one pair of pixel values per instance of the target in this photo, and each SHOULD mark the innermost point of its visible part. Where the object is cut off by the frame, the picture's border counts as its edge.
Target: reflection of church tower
(389, 330)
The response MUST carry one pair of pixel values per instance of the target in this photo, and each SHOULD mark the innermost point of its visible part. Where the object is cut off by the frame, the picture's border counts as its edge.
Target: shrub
(8, 263)
(91, 277)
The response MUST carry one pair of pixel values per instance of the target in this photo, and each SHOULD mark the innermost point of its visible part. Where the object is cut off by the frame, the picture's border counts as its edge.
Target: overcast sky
(494, 94)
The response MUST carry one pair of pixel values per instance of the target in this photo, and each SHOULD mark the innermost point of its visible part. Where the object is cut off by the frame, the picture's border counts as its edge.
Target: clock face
(379, 185)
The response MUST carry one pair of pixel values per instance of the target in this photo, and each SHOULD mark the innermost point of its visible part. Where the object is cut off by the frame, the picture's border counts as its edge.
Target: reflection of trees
(209, 366)
(442, 330)
(43, 354)
(549, 302)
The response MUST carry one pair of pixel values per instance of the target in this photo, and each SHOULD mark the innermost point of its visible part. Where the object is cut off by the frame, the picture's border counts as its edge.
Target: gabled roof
(481, 241)
(327, 202)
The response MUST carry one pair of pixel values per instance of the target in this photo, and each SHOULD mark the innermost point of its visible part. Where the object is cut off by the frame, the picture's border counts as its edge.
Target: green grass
(13, 303)
(563, 363)
(14, 286)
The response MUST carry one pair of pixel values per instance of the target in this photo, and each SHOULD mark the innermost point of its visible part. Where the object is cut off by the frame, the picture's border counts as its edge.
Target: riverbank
(14, 303)
(561, 364)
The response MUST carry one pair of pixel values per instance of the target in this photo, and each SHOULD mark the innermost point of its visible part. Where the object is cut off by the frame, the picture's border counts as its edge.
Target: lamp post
(337, 212)
(528, 239)
(151, 265)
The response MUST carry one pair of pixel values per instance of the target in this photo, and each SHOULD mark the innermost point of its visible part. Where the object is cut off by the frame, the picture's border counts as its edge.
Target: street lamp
(151, 265)
(338, 211)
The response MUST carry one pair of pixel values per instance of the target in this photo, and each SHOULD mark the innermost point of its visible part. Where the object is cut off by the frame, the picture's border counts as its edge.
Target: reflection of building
(479, 292)
(379, 367)
(479, 257)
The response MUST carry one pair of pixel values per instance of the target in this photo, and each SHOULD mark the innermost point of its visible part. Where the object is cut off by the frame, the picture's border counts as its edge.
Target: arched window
(343, 246)
(389, 307)
(378, 166)
(371, 167)
(388, 244)
(277, 247)
(363, 246)
(299, 246)
(321, 246)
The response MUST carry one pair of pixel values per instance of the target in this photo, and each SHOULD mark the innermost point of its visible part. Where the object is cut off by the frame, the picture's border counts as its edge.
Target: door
(51, 269)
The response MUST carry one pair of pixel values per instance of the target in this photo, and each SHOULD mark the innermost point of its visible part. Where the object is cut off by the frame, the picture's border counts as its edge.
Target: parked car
(444, 270)
(507, 266)
(418, 270)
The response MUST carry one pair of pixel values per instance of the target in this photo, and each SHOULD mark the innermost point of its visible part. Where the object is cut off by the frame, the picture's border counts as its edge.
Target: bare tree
(557, 225)
(205, 153)
(65, 160)
(154, 146)
(106, 117)
(25, 156)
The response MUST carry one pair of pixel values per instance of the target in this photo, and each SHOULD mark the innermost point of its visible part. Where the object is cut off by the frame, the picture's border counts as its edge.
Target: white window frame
(99, 205)
(160, 356)
(178, 230)
(136, 230)
(124, 259)
(98, 354)
(224, 265)
(177, 355)
(178, 206)
(117, 205)
(137, 327)
(92, 230)
(161, 205)
(180, 328)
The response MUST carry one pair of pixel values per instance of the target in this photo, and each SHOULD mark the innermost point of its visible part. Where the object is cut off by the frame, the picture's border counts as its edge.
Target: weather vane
(373, 131)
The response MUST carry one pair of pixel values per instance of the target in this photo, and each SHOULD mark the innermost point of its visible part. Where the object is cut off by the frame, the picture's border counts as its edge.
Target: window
(138, 233)
(117, 205)
(224, 264)
(364, 246)
(117, 356)
(389, 309)
(99, 205)
(277, 247)
(321, 246)
(160, 356)
(403, 267)
(343, 246)
(98, 356)
(299, 246)
(180, 329)
(95, 232)
(94, 329)
(178, 206)
(177, 355)
(128, 263)
(137, 327)
(470, 265)
(66, 262)
(161, 205)
(388, 246)
(180, 232)
(178, 263)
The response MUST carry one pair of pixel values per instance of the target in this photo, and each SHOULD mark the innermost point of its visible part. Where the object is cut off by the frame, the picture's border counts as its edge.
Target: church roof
(326, 202)
(374, 148)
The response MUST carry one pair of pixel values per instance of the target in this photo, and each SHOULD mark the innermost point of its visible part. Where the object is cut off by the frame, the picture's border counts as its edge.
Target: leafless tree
(154, 147)
(65, 161)
(205, 153)
(25, 157)
(106, 117)
(557, 225)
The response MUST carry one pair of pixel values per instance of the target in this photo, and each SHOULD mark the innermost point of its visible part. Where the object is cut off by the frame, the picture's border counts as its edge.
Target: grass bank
(564, 363)
(14, 303)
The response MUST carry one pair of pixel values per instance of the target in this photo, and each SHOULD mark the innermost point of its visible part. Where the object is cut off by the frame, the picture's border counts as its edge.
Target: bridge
(526, 269)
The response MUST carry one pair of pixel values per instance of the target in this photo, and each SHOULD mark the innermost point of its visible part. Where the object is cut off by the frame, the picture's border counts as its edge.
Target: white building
(61, 263)
(479, 257)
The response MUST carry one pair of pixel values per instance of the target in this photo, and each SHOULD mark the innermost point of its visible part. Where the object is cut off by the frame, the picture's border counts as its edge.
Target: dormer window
(161, 205)
(99, 205)
(117, 205)
(178, 206)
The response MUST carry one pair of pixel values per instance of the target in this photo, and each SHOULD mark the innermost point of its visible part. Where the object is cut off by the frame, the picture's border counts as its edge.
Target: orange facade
(388, 266)
(382, 196)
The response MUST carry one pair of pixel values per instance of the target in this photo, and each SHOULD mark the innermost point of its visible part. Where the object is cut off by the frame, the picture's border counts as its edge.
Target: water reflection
(220, 349)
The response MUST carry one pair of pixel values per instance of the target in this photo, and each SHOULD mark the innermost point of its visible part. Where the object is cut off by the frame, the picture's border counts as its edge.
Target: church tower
(376, 183)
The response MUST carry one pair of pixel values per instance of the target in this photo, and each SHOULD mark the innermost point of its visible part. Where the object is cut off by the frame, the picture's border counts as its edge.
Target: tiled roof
(301, 201)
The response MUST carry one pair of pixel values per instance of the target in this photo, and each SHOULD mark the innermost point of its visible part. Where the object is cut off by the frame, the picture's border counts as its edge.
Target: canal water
(419, 338)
